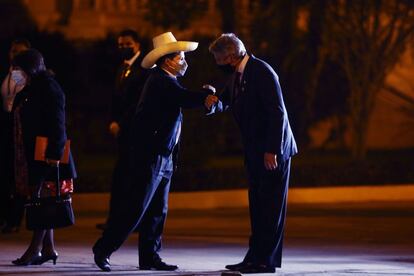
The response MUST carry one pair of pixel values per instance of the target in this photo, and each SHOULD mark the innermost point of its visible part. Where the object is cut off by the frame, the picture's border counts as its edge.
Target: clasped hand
(210, 99)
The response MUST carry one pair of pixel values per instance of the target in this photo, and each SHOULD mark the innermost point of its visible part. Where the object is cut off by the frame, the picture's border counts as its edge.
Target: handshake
(210, 99)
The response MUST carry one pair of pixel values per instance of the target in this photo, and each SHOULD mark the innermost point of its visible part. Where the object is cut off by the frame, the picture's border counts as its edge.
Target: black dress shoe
(32, 260)
(102, 262)
(236, 267)
(48, 257)
(157, 264)
(252, 269)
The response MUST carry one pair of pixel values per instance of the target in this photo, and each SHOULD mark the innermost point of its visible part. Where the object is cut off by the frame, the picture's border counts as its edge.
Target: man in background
(129, 82)
(130, 79)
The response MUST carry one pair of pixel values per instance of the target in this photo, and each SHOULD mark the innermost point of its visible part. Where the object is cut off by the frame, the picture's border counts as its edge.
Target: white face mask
(19, 77)
(178, 68)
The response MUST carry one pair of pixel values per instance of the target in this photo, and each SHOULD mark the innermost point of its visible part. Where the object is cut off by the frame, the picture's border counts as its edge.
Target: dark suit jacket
(127, 92)
(260, 112)
(43, 114)
(155, 128)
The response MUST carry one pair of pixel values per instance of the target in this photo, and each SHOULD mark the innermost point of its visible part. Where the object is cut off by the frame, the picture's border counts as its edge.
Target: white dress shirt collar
(132, 60)
(242, 64)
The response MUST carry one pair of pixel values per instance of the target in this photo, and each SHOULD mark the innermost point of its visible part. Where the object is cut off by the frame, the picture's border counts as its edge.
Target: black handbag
(49, 212)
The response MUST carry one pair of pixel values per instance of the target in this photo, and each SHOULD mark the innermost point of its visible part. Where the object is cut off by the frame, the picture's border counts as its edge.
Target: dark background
(212, 155)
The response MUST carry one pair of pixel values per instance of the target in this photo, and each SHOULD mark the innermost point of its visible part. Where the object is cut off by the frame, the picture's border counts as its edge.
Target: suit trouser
(144, 204)
(268, 192)
(119, 176)
(118, 180)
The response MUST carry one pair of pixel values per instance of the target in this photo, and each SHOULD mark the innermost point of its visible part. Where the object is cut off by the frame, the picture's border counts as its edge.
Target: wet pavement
(344, 239)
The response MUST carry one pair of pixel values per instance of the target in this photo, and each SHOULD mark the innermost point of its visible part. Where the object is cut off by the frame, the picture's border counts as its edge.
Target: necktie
(236, 86)
(125, 71)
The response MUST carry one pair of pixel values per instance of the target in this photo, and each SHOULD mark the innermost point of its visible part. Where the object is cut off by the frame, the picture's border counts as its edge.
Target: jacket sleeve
(224, 101)
(55, 118)
(270, 95)
(115, 107)
(184, 97)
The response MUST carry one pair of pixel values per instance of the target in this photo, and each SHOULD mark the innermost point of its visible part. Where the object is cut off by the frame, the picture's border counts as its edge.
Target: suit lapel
(231, 87)
(247, 72)
(243, 81)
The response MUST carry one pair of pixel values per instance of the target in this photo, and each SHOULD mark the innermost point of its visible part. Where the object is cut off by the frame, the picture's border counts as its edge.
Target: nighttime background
(345, 68)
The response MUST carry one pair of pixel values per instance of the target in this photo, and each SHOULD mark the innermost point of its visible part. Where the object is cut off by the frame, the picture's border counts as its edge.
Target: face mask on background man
(126, 53)
(18, 76)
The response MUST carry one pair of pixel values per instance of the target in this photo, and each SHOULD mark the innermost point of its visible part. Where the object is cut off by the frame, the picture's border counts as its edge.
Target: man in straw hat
(255, 98)
(153, 139)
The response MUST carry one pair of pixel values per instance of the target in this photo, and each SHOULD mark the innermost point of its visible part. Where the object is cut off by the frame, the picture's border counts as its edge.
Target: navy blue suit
(260, 113)
(147, 166)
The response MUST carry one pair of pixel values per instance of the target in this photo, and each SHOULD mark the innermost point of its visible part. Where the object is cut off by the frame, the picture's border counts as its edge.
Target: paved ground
(357, 239)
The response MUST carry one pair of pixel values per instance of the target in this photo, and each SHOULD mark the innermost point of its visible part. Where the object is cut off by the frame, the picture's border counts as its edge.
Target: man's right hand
(114, 129)
(210, 101)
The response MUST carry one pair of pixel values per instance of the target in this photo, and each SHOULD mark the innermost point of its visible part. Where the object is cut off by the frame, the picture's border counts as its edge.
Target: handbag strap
(57, 183)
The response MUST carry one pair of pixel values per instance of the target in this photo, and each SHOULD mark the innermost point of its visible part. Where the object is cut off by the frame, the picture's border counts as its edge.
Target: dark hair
(22, 41)
(131, 33)
(31, 62)
(163, 58)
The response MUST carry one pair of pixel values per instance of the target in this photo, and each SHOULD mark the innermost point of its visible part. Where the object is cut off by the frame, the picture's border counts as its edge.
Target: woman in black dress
(39, 110)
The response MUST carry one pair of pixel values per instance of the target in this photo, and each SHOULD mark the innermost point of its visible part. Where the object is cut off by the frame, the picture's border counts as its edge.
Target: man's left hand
(270, 161)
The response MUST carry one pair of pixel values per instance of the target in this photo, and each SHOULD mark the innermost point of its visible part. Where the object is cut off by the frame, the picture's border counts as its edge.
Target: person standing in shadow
(130, 79)
(12, 204)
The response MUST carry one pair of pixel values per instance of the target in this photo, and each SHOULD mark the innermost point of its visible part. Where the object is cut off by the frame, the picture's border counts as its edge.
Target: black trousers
(120, 173)
(144, 204)
(268, 192)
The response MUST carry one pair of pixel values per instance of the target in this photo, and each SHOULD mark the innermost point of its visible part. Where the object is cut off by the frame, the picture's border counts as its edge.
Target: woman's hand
(52, 162)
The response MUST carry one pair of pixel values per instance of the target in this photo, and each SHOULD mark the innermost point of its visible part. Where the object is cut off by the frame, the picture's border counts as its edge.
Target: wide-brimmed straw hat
(165, 44)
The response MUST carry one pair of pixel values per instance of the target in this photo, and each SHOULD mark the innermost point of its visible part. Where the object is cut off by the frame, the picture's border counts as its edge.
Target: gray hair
(228, 44)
